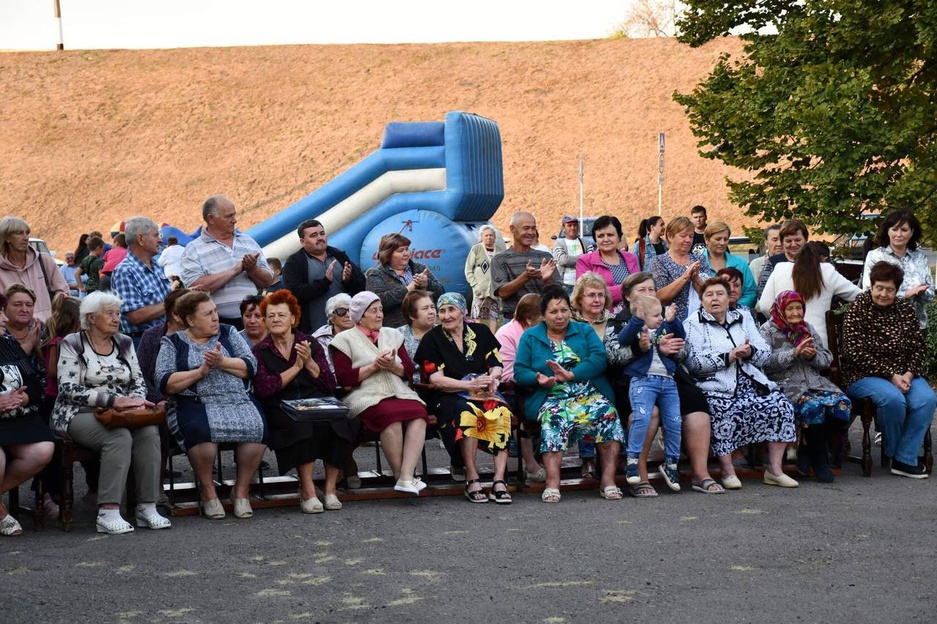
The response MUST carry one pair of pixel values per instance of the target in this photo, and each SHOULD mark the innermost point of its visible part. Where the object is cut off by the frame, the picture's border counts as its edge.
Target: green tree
(832, 109)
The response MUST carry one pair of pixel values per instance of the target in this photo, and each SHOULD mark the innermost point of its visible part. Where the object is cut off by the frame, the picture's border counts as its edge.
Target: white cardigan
(834, 285)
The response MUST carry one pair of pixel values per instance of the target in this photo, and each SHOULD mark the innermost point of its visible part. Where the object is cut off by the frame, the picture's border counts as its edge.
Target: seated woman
(818, 283)
(255, 329)
(396, 275)
(205, 370)
(526, 315)
(290, 366)
(98, 367)
(25, 440)
(725, 352)
(797, 356)
(372, 361)
(883, 357)
(461, 360)
(420, 312)
(338, 313)
(564, 361)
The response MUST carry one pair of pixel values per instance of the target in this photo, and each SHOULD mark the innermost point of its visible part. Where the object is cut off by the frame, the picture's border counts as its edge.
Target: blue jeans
(902, 418)
(645, 392)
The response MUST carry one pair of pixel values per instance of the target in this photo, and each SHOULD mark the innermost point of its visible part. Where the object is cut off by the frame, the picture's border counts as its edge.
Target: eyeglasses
(340, 311)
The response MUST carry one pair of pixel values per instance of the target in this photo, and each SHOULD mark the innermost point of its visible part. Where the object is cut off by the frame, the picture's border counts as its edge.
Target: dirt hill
(91, 137)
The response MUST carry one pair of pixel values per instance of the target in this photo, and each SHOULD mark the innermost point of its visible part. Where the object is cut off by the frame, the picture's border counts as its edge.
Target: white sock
(109, 515)
(146, 509)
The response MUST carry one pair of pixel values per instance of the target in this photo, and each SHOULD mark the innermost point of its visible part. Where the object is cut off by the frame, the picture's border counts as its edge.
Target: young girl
(797, 356)
(652, 384)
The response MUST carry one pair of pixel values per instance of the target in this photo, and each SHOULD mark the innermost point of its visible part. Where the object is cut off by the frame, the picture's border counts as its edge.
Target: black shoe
(904, 470)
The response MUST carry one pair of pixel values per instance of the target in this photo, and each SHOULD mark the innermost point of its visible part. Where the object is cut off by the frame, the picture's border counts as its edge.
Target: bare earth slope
(88, 138)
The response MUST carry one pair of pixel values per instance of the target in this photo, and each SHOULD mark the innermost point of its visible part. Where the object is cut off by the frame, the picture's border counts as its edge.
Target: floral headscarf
(795, 333)
(453, 299)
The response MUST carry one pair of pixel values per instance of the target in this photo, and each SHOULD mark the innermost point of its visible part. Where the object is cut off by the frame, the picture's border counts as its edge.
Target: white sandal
(113, 527)
(153, 521)
(9, 527)
(332, 503)
(551, 495)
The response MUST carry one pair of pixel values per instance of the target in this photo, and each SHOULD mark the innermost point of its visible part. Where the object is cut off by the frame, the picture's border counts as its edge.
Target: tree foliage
(832, 109)
(651, 18)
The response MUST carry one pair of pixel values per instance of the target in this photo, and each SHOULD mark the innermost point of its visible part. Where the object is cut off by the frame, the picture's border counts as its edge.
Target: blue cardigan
(534, 350)
(639, 366)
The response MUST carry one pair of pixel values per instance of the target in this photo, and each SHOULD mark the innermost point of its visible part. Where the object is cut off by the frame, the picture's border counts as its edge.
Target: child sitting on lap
(652, 383)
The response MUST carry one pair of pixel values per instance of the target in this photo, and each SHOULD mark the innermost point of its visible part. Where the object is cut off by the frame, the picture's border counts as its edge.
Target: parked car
(40, 246)
(585, 232)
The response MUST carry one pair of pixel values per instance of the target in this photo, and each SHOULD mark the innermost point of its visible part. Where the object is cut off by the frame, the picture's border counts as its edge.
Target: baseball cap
(570, 219)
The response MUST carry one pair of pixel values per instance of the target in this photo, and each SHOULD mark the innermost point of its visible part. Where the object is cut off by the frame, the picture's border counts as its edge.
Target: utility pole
(60, 45)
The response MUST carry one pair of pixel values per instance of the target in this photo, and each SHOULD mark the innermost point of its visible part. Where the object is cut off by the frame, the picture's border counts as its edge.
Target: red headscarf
(795, 333)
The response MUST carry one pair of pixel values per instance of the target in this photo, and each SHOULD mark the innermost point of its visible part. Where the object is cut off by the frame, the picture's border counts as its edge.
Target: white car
(40, 246)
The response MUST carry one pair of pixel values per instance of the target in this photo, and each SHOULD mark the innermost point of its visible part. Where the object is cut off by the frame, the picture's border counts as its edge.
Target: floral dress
(665, 271)
(576, 410)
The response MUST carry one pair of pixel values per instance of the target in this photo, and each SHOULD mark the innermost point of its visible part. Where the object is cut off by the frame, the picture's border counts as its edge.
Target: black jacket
(296, 280)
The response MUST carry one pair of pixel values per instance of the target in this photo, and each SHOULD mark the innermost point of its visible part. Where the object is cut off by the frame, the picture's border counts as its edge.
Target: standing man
(139, 281)
(317, 272)
(567, 250)
(698, 217)
(224, 261)
(68, 271)
(520, 269)
(772, 248)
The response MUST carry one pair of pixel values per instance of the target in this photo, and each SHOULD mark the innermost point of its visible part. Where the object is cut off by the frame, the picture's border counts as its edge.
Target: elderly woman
(818, 282)
(255, 330)
(898, 238)
(372, 361)
(290, 366)
(564, 362)
(98, 367)
(526, 315)
(396, 275)
(420, 311)
(679, 274)
(717, 235)
(608, 261)
(793, 236)
(20, 264)
(461, 360)
(650, 241)
(796, 359)
(486, 308)
(725, 355)
(205, 370)
(883, 357)
(338, 313)
(25, 440)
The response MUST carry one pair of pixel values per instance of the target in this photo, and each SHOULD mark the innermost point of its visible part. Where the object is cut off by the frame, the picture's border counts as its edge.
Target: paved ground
(860, 550)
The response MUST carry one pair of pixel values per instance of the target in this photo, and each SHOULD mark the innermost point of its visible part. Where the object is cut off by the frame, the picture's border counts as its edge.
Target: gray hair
(210, 207)
(10, 225)
(134, 226)
(95, 302)
(517, 216)
(486, 228)
(341, 300)
(771, 228)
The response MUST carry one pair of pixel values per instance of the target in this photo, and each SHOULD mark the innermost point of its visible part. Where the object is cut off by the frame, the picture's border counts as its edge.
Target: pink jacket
(593, 262)
(31, 276)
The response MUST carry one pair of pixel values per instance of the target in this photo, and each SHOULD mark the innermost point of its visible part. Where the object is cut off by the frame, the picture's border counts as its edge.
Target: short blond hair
(11, 225)
(589, 279)
(645, 303)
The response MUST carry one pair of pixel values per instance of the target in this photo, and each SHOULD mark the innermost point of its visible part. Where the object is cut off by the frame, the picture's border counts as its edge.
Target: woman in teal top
(717, 254)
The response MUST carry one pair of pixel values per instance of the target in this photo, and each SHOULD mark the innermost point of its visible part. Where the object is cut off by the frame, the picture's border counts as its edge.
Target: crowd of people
(591, 344)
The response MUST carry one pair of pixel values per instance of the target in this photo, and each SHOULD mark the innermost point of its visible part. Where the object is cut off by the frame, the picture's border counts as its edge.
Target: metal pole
(60, 45)
(582, 175)
(660, 173)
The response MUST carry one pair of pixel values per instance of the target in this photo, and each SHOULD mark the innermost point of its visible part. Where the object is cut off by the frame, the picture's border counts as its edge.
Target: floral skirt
(577, 411)
(489, 422)
(749, 417)
(812, 407)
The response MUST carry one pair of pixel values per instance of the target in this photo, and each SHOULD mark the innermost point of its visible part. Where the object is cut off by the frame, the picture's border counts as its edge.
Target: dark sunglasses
(340, 311)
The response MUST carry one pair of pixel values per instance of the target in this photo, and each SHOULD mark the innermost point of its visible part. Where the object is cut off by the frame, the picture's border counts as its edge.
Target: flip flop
(708, 486)
(643, 490)
(610, 492)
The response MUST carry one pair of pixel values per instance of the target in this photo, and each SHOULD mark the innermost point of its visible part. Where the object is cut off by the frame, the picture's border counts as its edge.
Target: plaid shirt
(139, 286)
(206, 255)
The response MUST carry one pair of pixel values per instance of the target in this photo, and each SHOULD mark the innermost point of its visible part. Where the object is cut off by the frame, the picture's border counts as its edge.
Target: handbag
(113, 418)
(322, 409)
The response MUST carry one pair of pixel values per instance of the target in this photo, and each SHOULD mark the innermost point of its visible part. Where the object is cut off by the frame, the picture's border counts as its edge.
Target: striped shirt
(139, 286)
(206, 255)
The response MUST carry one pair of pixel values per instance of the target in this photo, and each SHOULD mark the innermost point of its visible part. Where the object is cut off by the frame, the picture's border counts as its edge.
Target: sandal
(475, 496)
(550, 495)
(708, 486)
(643, 490)
(610, 492)
(502, 497)
(9, 527)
